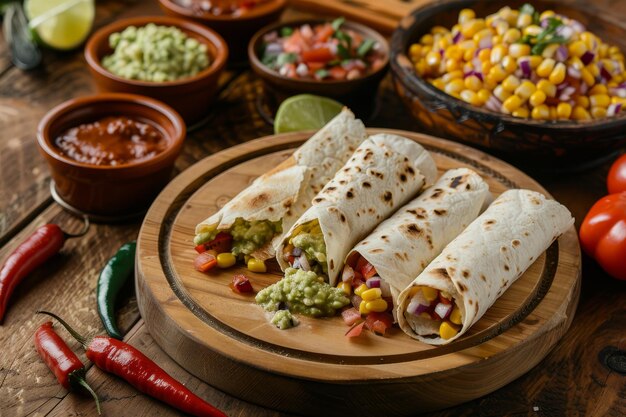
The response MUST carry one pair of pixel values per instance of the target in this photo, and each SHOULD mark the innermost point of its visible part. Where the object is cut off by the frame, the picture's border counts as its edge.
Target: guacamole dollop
(303, 292)
(314, 247)
(247, 236)
(283, 319)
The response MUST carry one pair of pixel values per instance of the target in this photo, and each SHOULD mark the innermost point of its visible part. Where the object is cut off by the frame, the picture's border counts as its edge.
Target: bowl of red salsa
(110, 154)
(339, 59)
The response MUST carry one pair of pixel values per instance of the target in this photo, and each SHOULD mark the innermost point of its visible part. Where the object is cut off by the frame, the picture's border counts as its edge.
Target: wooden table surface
(583, 375)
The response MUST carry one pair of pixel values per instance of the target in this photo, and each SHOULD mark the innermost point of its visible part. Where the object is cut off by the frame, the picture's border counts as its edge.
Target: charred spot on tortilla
(476, 307)
(397, 255)
(377, 174)
(503, 249)
(525, 233)
(367, 184)
(350, 193)
(413, 229)
(442, 271)
(410, 170)
(378, 217)
(468, 187)
(318, 199)
(342, 182)
(368, 155)
(482, 276)
(357, 169)
(378, 250)
(429, 239)
(423, 264)
(371, 210)
(343, 218)
(387, 196)
(515, 242)
(463, 288)
(406, 159)
(506, 267)
(270, 208)
(436, 193)
(465, 273)
(535, 201)
(456, 181)
(288, 212)
(385, 238)
(332, 264)
(440, 212)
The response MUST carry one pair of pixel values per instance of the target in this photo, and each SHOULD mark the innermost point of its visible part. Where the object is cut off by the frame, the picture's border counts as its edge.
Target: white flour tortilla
(383, 174)
(486, 258)
(286, 192)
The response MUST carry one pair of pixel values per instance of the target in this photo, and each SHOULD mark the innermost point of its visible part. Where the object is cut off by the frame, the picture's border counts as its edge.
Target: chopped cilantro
(286, 31)
(337, 23)
(365, 47)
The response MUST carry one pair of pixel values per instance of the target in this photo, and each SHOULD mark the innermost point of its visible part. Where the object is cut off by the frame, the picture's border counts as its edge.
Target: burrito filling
(307, 250)
(370, 294)
(302, 292)
(240, 240)
(432, 304)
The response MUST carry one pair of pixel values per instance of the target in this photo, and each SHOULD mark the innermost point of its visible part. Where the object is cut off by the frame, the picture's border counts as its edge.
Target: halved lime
(305, 112)
(60, 24)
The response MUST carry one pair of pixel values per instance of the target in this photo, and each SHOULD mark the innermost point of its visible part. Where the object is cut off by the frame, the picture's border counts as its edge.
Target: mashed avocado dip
(247, 236)
(303, 292)
(283, 319)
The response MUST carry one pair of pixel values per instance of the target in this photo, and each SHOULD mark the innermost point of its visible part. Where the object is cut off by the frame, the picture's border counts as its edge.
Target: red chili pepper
(34, 251)
(68, 369)
(125, 361)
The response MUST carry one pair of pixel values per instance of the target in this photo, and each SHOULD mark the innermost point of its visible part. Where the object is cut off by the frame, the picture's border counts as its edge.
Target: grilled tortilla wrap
(403, 245)
(384, 173)
(283, 194)
(480, 264)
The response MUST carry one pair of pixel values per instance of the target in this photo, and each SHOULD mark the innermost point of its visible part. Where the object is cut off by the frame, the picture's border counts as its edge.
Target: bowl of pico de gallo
(339, 59)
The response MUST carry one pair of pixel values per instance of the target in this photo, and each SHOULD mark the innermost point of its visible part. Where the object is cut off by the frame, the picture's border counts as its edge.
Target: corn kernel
(485, 67)
(497, 73)
(510, 83)
(483, 95)
(433, 59)
(512, 35)
(379, 305)
(524, 20)
(577, 48)
(363, 308)
(522, 112)
(430, 293)
(415, 50)
(531, 30)
(593, 69)
(345, 286)
(618, 100)
(603, 50)
(535, 61)
(466, 15)
(598, 89)
(550, 50)
(471, 27)
(454, 52)
(547, 87)
(500, 93)
(588, 38)
(587, 77)
(452, 65)
(599, 100)
(557, 76)
(455, 316)
(545, 68)
(541, 112)
(256, 265)
(454, 86)
(425, 315)
(439, 30)
(427, 39)
(580, 114)
(583, 101)
(360, 289)
(468, 55)
(470, 97)
(473, 83)
(447, 331)
(421, 67)
(438, 82)
(598, 112)
(546, 14)
(512, 103)
(484, 33)
(496, 40)
(552, 111)
(537, 98)
(371, 294)
(497, 53)
(484, 54)
(525, 90)
(519, 49)
(226, 260)
(453, 75)
(509, 64)
(563, 111)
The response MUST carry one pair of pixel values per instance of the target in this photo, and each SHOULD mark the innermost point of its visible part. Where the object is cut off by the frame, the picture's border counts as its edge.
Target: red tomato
(241, 284)
(365, 268)
(205, 261)
(351, 316)
(223, 242)
(317, 55)
(337, 73)
(603, 234)
(379, 322)
(616, 180)
(355, 330)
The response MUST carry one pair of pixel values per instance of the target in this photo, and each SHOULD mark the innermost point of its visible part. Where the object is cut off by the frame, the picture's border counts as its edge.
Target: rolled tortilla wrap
(283, 194)
(384, 173)
(403, 245)
(481, 263)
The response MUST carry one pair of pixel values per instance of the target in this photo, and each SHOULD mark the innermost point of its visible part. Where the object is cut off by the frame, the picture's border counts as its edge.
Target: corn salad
(542, 66)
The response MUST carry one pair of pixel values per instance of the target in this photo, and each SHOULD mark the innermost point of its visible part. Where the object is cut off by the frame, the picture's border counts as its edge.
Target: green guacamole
(303, 292)
(247, 236)
(283, 319)
(315, 249)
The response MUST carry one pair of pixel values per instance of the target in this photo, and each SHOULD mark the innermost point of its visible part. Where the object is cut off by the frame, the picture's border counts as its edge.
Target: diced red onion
(302, 70)
(385, 289)
(296, 252)
(561, 53)
(566, 93)
(273, 49)
(373, 282)
(457, 37)
(486, 42)
(306, 31)
(587, 57)
(614, 109)
(477, 63)
(493, 103)
(604, 73)
(565, 31)
(525, 67)
(562, 86)
(622, 85)
(443, 310)
(577, 26)
(416, 308)
(270, 36)
(583, 88)
(442, 52)
(304, 262)
(573, 72)
(348, 273)
(618, 91)
(296, 264)
(544, 23)
(478, 74)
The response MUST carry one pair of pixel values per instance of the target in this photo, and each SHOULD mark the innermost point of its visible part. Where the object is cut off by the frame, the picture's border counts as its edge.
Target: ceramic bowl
(191, 96)
(359, 94)
(110, 191)
(543, 145)
(236, 30)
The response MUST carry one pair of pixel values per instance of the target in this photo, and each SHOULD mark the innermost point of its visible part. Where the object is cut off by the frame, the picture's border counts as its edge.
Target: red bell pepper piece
(355, 330)
(241, 284)
(205, 261)
(379, 322)
(223, 242)
(616, 180)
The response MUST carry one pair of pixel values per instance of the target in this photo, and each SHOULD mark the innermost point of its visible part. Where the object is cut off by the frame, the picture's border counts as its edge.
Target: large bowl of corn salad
(541, 79)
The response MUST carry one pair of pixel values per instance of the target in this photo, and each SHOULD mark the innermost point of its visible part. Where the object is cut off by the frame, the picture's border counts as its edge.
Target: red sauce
(114, 140)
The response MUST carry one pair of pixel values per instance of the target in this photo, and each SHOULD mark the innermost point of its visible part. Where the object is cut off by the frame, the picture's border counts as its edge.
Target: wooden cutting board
(382, 15)
(225, 338)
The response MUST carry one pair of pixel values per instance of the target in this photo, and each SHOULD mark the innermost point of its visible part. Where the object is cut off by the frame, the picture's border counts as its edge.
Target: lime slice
(60, 24)
(305, 112)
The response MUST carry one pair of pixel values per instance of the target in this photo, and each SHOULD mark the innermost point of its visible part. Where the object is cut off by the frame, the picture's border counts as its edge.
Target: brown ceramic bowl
(358, 94)
(237, 30)
(110, 191)
(190, 96)
(538, 145)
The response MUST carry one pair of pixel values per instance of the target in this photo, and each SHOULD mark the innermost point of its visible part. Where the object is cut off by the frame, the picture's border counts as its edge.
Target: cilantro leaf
(337, 23)
(365, 47)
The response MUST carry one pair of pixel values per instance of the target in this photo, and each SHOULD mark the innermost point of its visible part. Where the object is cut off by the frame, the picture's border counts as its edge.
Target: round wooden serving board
(226, 339)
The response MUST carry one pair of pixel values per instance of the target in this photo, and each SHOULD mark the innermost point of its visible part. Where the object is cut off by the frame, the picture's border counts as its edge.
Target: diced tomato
(353, 259)
(223, 242)
(324, 32)
(314, 66)
(379, 322)
(241, 284)
(444, 300)
(356, 301)
(357, 280)
(350, 316)
(200, 248)
(317, 55)
(368, 270)
(355, 330)
(360, 263)
(205, 261)
(291, 259)
(337, 73)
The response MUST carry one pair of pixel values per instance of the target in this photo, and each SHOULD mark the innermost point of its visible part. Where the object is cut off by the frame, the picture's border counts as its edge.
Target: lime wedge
(305, 112)
(60, 24)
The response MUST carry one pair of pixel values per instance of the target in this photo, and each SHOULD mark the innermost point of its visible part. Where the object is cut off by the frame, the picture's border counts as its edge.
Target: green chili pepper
(114, 275)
